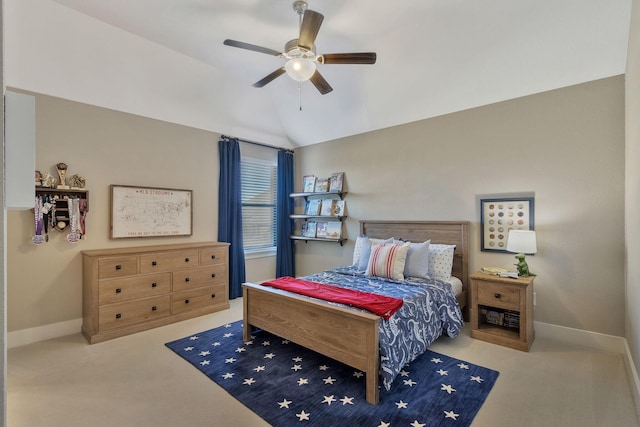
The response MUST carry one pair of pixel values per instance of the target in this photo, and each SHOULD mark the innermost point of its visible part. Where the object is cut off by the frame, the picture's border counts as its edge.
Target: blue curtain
(230, 212)
(285, 254)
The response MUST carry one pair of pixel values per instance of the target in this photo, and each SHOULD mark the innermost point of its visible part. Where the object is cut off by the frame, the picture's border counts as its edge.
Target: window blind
(259, 184)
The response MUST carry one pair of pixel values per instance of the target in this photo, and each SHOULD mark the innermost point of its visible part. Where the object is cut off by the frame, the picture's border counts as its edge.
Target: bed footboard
(349, 336)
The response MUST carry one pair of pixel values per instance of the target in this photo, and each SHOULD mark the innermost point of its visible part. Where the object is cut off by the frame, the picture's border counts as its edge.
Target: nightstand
(502, 310)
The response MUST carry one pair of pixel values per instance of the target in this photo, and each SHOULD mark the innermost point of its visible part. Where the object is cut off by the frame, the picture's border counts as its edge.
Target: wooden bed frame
(348, 335)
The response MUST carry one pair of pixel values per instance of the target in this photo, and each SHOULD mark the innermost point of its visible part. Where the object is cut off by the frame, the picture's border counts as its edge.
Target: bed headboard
(444, 232)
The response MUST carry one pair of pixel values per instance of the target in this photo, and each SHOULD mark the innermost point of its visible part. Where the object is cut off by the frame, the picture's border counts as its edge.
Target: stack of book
(494, 317)
(512, 319)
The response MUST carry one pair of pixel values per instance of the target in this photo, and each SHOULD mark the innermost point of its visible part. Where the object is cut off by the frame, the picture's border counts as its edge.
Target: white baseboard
(42, 333)
(632, 374)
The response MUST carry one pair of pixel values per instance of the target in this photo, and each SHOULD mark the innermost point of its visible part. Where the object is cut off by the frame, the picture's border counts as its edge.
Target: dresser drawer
(199, 277)
(197, 298)
(499, 295)
(210, 256)
(127, 313)
(149, 285)
(167, 261)
(117, 267)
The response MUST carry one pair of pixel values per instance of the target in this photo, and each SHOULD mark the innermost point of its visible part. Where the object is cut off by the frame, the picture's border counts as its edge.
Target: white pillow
(362, 250)
(417, 262)
(388, 261)
(441, 261)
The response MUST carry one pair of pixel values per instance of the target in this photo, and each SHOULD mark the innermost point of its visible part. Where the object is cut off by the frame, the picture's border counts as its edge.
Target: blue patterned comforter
(430, 309)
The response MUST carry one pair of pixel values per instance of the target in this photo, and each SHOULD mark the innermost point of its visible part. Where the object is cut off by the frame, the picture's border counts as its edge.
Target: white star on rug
(266, 343)
(259, 368)
(383, 424)
(451, 414)
(448, 388)
(329, 380)
(229, 360)
(358, 374)
(204, 363)
(188, 348)
(240, 349)
(228, 335)
(249, 381)
(296, 367)
(249, 342)
(228, 375)
(410, 382)
(417, 424)
(193, 338)
(323, 367)
(205, 353)
(329, 400)
(303, 381)
(404, 373)
(297, 359)
(303, 416)
(436, 360)
(269, 356)
(346, 400)
(285, 341)
(463, 365)
(443, 372)
(216, 344)
(228, 325)
(476, 379)
(401, 405)
(285, 403)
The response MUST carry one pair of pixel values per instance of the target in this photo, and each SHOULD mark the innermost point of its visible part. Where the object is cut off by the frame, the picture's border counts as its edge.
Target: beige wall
(106, 147)
(632, 189)
(565, 146)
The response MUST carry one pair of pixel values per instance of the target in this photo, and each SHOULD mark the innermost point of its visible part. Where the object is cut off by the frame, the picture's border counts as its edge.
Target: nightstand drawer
(499, 295)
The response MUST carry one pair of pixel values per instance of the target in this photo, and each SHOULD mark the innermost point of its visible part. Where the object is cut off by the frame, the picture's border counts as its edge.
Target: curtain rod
(257, 143)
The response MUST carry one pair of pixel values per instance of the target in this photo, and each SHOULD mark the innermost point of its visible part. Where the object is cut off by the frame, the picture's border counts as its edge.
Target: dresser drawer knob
(213, 295)
(497, 296)
(186, 279)
(186, 260)
(213, 257)
(118, 315)
(213, 275)
(118, 267)
(154, 263)
(186, 301)
(154, 308)
(118, 290)
(154, 284)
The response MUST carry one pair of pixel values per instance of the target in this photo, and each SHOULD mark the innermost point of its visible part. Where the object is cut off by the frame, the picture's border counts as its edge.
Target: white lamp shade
(300, 69)
(522, 242)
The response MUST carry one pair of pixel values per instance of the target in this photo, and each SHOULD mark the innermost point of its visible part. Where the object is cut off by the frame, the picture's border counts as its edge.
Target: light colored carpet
(137, 381)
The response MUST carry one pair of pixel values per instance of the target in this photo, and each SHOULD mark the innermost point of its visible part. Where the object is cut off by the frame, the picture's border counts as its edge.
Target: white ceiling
(434, 56)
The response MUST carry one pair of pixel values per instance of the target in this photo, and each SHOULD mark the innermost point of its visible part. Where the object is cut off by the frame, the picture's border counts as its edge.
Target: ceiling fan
(300, 53)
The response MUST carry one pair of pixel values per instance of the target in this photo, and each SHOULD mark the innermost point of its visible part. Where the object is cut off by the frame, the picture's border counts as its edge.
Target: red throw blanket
(377, 304)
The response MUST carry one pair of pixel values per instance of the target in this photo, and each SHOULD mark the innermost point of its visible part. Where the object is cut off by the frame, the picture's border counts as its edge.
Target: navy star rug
(287, 384)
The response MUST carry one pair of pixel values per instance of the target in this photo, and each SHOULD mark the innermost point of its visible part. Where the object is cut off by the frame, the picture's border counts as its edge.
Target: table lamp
(522, 242)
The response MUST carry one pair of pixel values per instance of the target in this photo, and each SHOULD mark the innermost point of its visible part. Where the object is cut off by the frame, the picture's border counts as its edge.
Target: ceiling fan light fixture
(300, 69)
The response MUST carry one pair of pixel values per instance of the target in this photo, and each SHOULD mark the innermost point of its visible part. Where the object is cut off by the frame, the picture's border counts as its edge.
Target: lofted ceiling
(433, 56)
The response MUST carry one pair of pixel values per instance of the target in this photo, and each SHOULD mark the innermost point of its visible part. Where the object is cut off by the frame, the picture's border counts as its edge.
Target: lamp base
(522, 266)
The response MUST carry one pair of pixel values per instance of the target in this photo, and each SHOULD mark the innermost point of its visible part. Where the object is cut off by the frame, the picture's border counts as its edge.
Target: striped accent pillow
(388, 261)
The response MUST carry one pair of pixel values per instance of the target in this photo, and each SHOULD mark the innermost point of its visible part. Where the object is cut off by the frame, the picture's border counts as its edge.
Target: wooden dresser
(129, 290)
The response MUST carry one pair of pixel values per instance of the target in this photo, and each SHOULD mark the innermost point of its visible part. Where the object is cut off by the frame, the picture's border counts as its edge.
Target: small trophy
(62, 173)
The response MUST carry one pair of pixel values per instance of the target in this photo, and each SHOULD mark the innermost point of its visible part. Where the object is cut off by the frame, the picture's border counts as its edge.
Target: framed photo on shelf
(150, 212)
(335, 182)
(498, 216)
(308, 183)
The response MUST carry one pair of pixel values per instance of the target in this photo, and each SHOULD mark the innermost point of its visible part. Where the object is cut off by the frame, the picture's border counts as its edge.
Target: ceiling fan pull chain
(300, 95)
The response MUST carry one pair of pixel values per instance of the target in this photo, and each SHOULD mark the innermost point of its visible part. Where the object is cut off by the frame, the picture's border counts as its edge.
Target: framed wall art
(150, 212)
(498, 216)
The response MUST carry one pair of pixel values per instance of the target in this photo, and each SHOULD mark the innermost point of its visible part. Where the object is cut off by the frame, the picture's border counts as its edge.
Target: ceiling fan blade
(270, 77)
(350, 58)
(253, 47)
(311, 22)
(320, 83)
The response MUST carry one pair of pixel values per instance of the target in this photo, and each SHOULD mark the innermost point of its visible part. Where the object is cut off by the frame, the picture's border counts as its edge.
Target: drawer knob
(154, 284)
(154, 308)
(154, 263)
(213, 295)
(118, 316)
(186, 279)
(186, 260)
(213, 275)
(118, 290)
(497, 296)
(186, 301)
(118, 267)
(213, 257)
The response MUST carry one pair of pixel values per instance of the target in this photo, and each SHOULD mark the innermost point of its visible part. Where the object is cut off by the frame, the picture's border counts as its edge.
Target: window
(259, 184)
